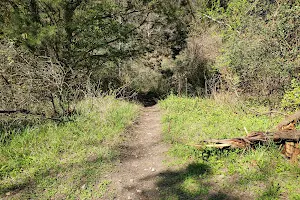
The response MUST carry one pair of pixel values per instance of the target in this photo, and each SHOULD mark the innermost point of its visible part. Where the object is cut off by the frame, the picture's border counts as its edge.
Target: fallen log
(288, 140)
(253, 138)
(286, 136)
(289, 122)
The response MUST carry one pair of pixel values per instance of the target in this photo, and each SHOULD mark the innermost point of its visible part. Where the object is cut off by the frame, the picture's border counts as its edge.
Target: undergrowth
(66, 161)
(260, 173)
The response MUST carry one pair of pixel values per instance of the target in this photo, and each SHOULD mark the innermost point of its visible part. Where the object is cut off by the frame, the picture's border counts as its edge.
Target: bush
(33, 89)
(291, 98)
(260, 46)
(38, 85)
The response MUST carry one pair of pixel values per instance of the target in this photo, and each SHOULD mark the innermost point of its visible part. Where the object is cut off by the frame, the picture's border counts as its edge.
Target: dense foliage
(260, 48)
(80, 33)
(90, 42)
(249, 48)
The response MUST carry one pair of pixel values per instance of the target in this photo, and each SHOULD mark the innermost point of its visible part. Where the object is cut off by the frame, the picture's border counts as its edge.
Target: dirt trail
(142, 157)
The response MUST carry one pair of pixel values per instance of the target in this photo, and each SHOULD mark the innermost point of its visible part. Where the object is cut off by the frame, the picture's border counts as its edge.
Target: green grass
(66, 161)
(261, 173)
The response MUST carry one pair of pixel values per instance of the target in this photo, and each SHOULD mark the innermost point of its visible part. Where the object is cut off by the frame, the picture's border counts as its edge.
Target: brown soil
(142, 159)
(142, 173)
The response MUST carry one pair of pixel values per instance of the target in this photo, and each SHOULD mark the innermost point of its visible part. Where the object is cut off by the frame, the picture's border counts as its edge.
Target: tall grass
(261, 173)
(66, 161)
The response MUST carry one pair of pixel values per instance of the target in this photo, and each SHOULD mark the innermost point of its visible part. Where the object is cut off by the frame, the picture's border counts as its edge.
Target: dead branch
(286, 136)
(252, 139)
(27, 112)
(23, 111)
(220, 22)
(292, 119)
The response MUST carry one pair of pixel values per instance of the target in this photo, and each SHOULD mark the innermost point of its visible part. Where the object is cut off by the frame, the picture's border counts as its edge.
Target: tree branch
(5, 79)
(85, 56)
(23, 111)
(28, 112)
(191, 9)
(220, 22)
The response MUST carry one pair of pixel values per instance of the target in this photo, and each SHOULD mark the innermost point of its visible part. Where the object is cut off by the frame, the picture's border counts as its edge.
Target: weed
(251, 173)
(66, 161)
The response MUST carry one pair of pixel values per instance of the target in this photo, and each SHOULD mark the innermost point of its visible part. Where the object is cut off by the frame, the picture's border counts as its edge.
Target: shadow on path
(193, 182)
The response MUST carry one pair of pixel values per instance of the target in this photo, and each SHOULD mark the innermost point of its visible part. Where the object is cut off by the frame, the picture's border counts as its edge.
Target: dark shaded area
(148, 99)
(223, 4)
(170, 185)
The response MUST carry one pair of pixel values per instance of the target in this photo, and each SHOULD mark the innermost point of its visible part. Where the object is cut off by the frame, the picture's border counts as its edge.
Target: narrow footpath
(142, 159)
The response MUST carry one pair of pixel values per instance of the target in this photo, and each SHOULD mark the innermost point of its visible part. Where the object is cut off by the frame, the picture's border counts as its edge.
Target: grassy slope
(260, 174)
(66, 161)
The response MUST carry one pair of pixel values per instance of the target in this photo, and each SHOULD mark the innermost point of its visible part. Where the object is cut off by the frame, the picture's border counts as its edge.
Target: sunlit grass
(66, 161)
(253, 173)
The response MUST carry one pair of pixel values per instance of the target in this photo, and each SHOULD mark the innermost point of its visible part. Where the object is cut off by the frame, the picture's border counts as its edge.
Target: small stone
(131, 180)
(139, 191)
(153, 170)
(120, 181)
(7, 193)
(129, 197)
(83, 186)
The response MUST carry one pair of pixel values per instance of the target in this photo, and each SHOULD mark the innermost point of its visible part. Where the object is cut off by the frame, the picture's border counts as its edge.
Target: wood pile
(286, 135)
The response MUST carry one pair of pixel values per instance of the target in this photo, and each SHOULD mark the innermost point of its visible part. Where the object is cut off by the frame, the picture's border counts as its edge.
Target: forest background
(55, 53)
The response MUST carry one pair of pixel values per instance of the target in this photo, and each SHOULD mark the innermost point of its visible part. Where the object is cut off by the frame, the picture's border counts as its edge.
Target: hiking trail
(142, 159)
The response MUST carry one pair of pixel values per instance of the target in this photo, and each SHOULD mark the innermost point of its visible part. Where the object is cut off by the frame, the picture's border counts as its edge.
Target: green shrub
(259, 45)
(291, 98)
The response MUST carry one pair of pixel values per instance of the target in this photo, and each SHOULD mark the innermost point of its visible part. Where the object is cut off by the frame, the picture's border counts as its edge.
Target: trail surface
(142, 159)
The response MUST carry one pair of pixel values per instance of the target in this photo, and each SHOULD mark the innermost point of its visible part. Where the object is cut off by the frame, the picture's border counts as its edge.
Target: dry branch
(292, 119)
(252, 138)
(28, 112)
(14, 111)
(286, 135)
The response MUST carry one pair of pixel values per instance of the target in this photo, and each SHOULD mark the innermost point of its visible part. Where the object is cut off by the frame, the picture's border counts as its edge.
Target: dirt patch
(142, 156)
(142, 173)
